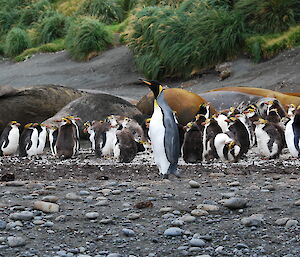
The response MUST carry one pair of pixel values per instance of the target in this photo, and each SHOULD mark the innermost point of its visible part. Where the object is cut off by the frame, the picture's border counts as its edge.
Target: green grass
(87, 37)
(16, 42)
(267, 46)
(55, 46)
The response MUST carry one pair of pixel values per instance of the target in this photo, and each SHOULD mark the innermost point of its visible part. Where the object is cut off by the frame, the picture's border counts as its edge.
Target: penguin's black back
(275, 136)
(192, 145)
(296, 130)
(4, 138)
(25, 142)
(240, 132)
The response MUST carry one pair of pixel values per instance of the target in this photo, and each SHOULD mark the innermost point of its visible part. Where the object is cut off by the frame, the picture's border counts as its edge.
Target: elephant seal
(185, 103)
(283, 98)
(96, 107)
(222, 100)
(33, 104)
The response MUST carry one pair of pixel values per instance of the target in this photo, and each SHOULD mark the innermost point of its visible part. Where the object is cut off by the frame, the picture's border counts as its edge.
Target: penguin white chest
(262, 142)
(289, 138)
(157, 137)
(13, 142)
(42, 141)
(111, 140)
(34, 143)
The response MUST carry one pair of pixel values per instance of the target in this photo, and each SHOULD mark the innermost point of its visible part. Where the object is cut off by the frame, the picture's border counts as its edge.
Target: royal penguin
(221, 120)
(42, 137)
(52, 132)
(192, 148)
(125, 148)
(29, 140)
(266, 104)
(211, 129)
(240, 132)
(90, 130)
(269, 139)
(227, 147)
(205, 109)
(249, 127)
(67, 140)
(292, 134)
(9, 139)
(109, 137)
(163, 132)
(100, 127)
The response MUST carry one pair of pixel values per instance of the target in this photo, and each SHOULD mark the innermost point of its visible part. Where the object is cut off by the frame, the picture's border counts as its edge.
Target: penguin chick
(163, 132)
(192, 148)
(249, 127)
(9, 139)
(89, 129)
(67, 140)
(29, 140)
(42, 137)
(125, 148)
(74, 121)
(292, 134)
(53, 132)
(269, 140)
(227, 148)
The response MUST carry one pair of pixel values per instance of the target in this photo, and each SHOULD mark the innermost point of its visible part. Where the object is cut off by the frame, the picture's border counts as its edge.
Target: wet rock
(46, 206)
(128, 232)
(166, 209)
(50, 198)
(188, 218)
(133, 216)
(297, 203)
(234, 203)
(173, 231)
(208, 207)
(73, 197)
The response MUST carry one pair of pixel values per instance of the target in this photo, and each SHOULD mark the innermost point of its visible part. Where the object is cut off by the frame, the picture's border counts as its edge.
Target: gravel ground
(87, 206)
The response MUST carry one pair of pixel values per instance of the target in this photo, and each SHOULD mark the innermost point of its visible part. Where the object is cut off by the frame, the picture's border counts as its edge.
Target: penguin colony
(227, 135)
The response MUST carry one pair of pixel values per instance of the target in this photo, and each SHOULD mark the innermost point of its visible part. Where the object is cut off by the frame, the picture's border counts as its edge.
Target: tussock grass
(69, 8)
(267, 46)
(87, 36)
(268, 16)
(52, 27)
(16, 42)
(107, 11)
(55, 46)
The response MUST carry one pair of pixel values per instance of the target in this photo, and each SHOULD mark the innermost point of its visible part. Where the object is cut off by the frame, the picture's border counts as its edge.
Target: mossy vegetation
(169, 38)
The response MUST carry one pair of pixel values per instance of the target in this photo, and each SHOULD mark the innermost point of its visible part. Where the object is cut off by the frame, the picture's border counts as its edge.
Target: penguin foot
(165, 176)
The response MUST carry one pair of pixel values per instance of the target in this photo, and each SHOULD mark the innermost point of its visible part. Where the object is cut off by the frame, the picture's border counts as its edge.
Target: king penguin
(292, 134)
(163, 132)
(9, 140)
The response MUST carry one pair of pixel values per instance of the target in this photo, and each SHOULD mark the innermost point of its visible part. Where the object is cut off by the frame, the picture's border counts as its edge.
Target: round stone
(235, 203)
(281, 222)
(14, 241)
(194, 184)
(92, 215)
(50, 198)
(23, 215)
(188, 218)
(133, 216)
(254, 220)
(173, 231)
(291, 223)
(197, 242)
(128, 232)
(73, 197)
(199, 213)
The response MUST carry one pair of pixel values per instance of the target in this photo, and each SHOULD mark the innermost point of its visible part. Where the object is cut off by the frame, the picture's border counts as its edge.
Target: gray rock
(92, 215)
(188, 218)
(128, 232)
(46, 206)
(241, 246)
(2, 224)
(297, 203)
(14, 241)
(281, 222)
(254, 220)
(73, 197)
(84, 193)
(23, 215)
(114, 255)
(196, 242)
(133, 216)
(194, 184)
(50, 198)
(173, 231)
(234, 203)
(291, 223)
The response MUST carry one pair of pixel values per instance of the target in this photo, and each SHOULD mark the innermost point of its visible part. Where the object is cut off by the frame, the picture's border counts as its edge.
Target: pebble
(114, 255)
(234, 203)
(106, 221)
(116, 192)
(297, 203)
(50, 198)
(15, 183)
(166, 209)
(73, 197)
(208, 207)
(281, 222)
(24, 215)
(102, 203)
(92, 215)
(14, 241)
(133, 216)
(254, 220)
(196, 242)
(46, 206)
(291, 223)
(234, 183)
(173, 231)
(199, 212)
(188, 218)
(194, 184)
(241, 246)
(228, 195)
(106, 191)
(128, 232)
(84, 193)
(177, 223)
(2, 224)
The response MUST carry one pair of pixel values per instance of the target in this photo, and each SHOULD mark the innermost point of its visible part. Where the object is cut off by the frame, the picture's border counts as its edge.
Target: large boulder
(33, 104)
(185, 103)
(97, 107)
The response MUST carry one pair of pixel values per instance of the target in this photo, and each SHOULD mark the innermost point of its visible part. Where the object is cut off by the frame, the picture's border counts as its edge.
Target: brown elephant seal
(34, 104)
(96, 107)
(283, 98)
(186, 104)
(7, 91)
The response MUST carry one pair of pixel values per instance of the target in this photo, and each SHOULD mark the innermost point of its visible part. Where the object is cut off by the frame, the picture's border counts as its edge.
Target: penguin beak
(85, 131)
(18, 124)
(146, 82)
